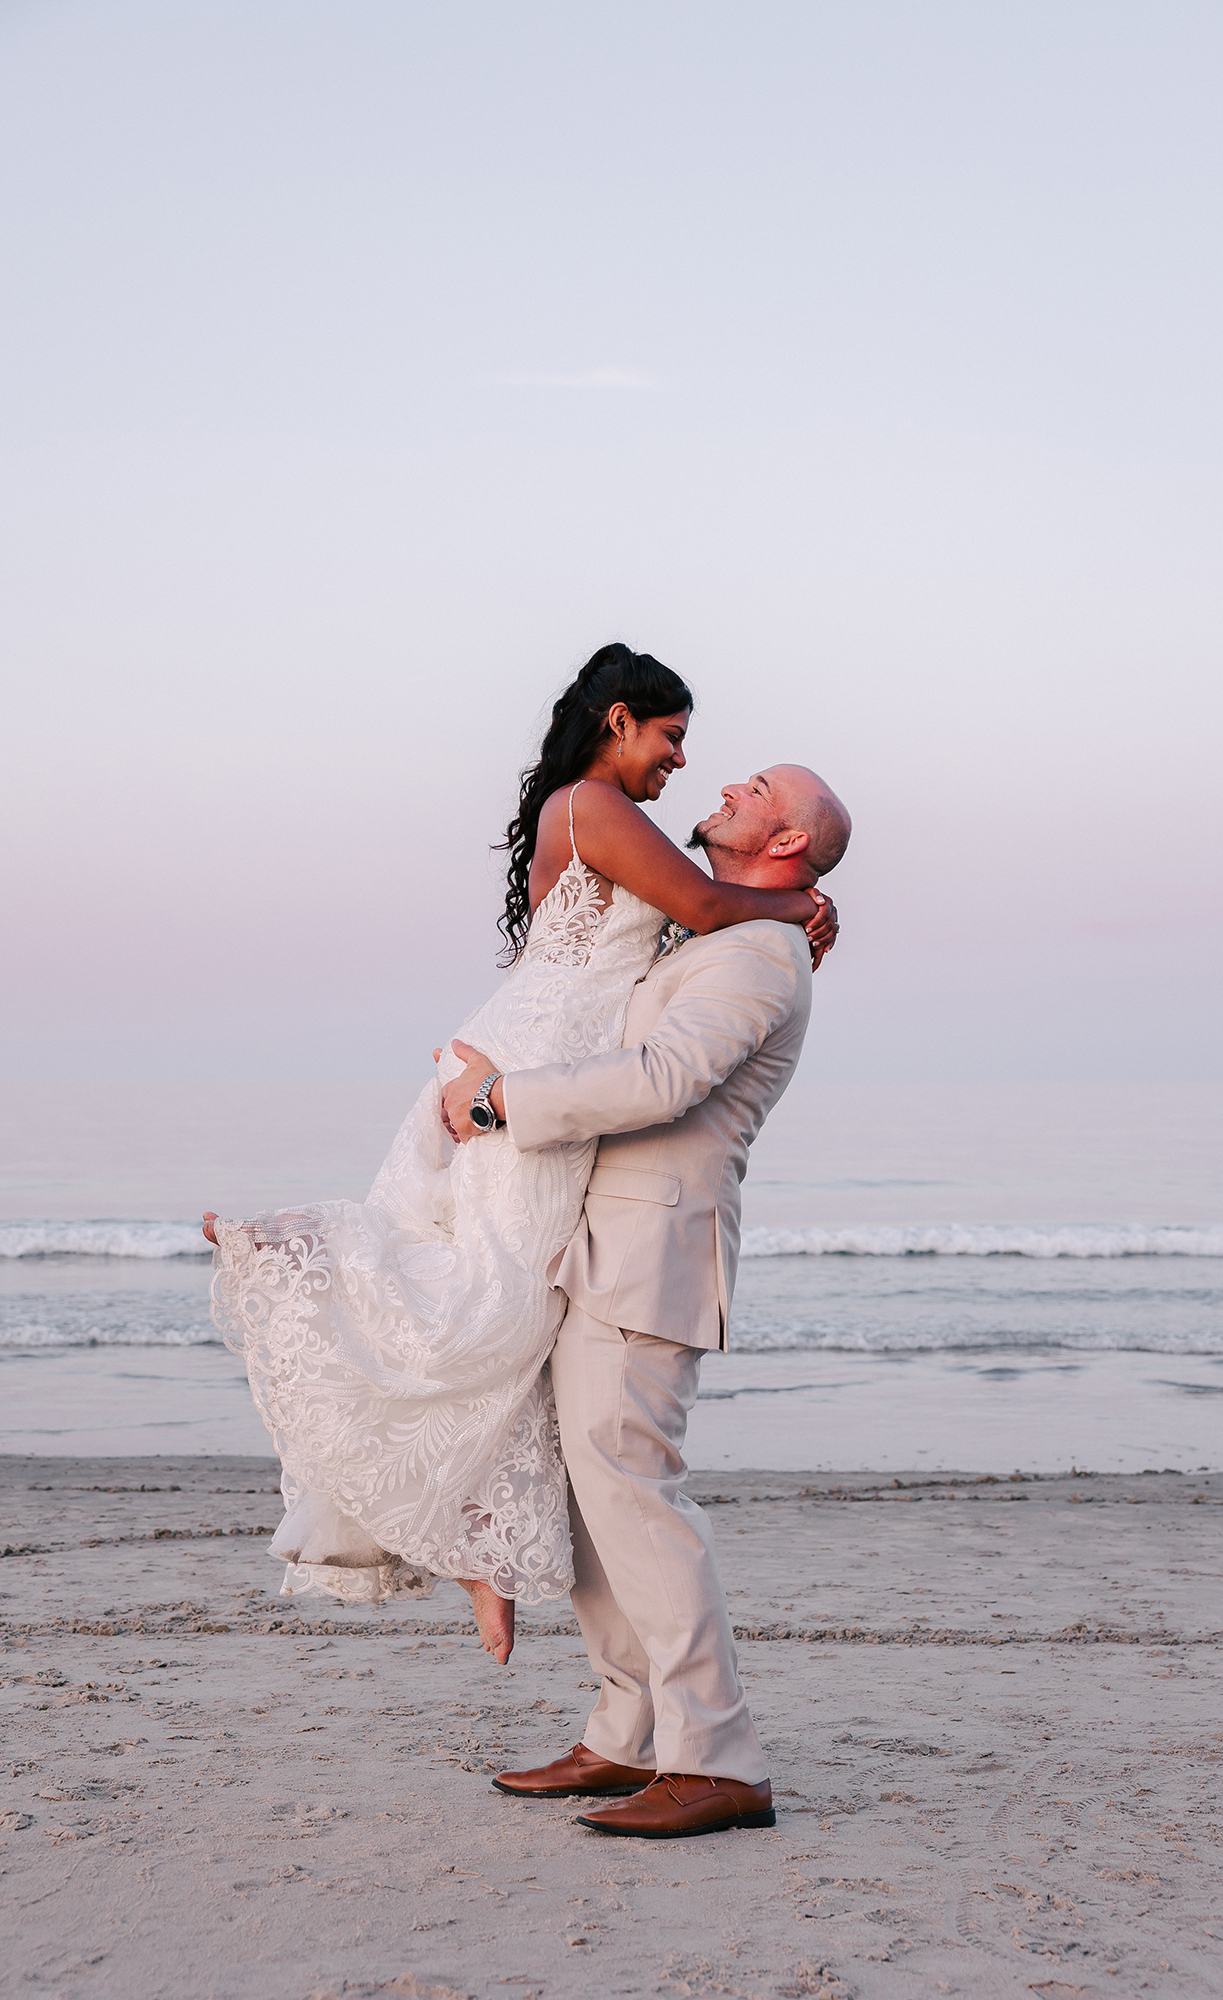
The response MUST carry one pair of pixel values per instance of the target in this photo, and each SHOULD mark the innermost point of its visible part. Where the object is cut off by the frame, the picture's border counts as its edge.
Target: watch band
(481, 1098)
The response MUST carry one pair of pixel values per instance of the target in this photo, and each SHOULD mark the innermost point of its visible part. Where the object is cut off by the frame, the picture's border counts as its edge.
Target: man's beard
(702, 836)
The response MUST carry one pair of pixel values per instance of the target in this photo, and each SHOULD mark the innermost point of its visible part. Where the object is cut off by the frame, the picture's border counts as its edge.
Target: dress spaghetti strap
(572, 837)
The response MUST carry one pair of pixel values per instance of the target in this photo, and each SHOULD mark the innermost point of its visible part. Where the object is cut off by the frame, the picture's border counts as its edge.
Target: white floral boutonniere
(672, 936)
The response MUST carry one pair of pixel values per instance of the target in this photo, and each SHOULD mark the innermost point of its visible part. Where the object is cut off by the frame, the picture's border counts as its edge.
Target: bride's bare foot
(494, 1617)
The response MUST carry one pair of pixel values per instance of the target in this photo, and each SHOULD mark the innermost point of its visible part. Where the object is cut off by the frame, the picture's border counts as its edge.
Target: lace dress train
(396, 1348)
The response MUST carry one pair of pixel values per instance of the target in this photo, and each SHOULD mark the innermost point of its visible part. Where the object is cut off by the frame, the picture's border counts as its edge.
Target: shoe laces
(673, 1780)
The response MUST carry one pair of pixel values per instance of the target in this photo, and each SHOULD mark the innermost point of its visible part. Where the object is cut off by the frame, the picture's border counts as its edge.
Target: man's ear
(788, 845)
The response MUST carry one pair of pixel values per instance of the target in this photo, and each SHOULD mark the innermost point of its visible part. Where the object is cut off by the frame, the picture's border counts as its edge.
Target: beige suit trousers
(647, 1594)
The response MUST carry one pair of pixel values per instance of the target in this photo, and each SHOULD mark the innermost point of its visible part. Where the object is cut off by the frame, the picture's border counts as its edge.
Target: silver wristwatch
(482, 1115)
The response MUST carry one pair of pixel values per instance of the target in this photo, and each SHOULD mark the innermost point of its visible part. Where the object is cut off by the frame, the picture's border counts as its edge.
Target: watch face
(483, 1117)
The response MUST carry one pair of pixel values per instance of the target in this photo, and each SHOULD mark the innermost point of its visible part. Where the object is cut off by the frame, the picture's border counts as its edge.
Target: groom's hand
(457, 1096)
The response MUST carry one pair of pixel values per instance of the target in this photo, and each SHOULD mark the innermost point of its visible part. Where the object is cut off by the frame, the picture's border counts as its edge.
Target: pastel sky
(366, 367)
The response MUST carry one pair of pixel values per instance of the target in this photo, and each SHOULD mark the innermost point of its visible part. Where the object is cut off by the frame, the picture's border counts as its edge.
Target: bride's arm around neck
(618, 843)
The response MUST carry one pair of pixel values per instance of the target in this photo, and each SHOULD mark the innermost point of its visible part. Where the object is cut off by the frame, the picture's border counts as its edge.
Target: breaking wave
(102, 1239)
(115, 1284)
(988, 1240)
(43, 1333)
(158, 1240)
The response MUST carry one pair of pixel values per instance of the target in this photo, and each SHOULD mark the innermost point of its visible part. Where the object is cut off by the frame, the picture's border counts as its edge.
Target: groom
(711, 1039)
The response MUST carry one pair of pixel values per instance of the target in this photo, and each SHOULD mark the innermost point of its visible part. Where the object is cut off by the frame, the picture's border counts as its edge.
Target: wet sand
(208, 1793)
(1002, 1411)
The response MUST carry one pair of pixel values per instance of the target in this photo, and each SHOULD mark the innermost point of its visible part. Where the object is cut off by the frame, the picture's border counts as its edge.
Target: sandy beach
(207, 1793)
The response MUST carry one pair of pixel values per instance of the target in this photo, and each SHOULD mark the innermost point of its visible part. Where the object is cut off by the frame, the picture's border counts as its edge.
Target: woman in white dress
(397, 1347)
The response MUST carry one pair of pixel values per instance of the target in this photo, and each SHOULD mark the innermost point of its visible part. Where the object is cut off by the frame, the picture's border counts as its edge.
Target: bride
(396, 1348)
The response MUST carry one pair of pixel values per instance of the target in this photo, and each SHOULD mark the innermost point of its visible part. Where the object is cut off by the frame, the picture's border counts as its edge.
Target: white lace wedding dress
(396, 1347)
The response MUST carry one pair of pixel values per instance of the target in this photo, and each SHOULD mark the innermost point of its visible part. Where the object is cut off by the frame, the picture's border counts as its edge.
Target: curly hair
(579, 724)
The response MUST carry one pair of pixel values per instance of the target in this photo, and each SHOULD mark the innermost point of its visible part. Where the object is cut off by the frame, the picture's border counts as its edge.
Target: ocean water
(988, 1277)
(67, 1285)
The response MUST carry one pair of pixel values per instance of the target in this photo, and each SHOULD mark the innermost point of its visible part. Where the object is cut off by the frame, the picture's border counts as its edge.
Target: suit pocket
(632, 1184)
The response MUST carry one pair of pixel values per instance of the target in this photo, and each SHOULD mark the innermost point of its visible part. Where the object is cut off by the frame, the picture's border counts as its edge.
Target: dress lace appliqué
(396, 1348)
(566, 924)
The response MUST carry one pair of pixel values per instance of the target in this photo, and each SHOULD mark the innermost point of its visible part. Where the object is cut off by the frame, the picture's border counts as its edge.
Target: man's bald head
(782, 828)
(807, 802)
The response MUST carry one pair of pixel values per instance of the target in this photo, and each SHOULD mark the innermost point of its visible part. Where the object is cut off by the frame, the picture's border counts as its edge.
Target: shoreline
(133, 1489)
(991, 1707)
(1038, 1410)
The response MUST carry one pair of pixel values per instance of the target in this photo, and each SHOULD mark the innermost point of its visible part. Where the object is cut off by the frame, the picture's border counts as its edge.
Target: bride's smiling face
(652, 750)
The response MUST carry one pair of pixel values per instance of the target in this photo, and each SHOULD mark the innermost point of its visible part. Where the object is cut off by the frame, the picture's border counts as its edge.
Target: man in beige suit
(711, 1040)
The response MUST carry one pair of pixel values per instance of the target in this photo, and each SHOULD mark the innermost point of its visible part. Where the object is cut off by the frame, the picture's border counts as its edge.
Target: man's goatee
(696, 838)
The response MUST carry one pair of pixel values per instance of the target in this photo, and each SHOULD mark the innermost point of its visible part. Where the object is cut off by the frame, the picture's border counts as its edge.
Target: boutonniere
(672, 936)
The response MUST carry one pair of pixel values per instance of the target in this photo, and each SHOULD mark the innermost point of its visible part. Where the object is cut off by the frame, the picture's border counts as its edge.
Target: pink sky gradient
(371, 368)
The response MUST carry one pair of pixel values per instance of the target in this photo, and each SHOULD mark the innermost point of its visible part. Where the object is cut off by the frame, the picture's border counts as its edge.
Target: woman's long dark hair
(579, 724)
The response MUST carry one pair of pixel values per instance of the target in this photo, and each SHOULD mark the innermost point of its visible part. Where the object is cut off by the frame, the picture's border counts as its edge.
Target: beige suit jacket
(712, 1035)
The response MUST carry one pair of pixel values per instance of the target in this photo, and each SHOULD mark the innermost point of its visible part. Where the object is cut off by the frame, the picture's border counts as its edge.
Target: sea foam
(119, 1326)
(102, 1239)
(157, 1240)
(953, 1239)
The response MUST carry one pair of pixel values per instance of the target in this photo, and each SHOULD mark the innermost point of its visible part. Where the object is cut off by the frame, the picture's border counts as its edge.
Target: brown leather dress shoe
(578, 1775)
(678, 1804)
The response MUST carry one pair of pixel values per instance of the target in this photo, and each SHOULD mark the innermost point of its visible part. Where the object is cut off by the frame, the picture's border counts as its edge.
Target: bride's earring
(620, 747)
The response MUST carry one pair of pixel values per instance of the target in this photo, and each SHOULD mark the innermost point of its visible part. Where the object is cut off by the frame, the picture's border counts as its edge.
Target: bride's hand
(210, 1216)
(437, 1056)
(823, 928)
